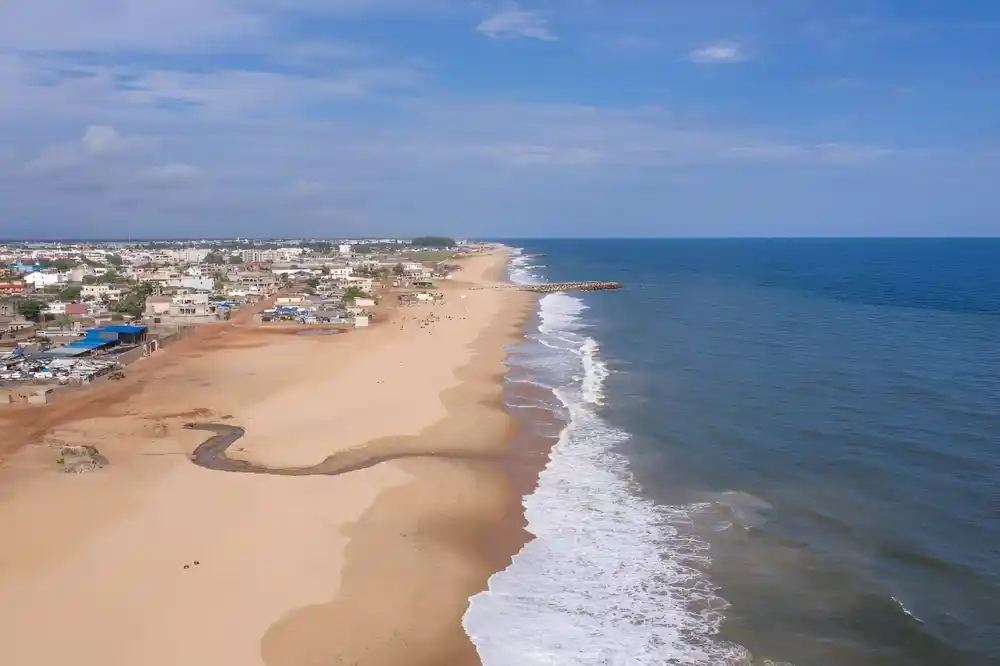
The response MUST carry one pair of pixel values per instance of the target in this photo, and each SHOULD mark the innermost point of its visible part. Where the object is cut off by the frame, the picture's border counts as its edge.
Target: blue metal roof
(90, 343)
(63, 351)
(121, 328)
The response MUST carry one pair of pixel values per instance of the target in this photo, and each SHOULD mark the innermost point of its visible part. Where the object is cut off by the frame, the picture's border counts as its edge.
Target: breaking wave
(608, 580)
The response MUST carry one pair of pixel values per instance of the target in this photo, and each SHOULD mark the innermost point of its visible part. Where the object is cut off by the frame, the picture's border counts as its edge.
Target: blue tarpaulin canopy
(90, 343)
(131, 330)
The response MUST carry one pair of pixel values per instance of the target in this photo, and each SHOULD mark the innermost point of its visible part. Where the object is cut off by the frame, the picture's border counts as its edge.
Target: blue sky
(543, 118)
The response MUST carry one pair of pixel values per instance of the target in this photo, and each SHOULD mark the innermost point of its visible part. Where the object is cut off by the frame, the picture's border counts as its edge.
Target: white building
(254, 255)
(95, 292)
(184, 309)
(287, 254)
(345, 250)
(198, 283)
(256, 283)
(56, 308)
(365, 284)
(297, 271)
(339, 272)
(190, 255)
(40, 279)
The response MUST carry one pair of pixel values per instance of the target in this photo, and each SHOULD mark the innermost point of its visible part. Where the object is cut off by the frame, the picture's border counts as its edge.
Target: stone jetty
(553, 287)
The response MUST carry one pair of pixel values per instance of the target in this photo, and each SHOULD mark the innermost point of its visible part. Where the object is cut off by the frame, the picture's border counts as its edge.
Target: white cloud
(313, 133)
(93, 25)
(230, 92)
(99, 144)
(100, 140)
(515, 22)
(121, 93)
(172, 173)
(719, 53)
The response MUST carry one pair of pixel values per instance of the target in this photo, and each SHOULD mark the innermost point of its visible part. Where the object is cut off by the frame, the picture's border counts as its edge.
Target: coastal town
(184, 421)
(310, 420)
(74, 312)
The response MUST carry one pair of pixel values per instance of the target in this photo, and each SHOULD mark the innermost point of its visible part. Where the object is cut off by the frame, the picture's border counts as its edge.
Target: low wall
(169, 337)
(131, 355)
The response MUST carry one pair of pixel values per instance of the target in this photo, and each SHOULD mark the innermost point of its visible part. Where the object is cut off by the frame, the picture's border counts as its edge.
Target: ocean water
(775, 452)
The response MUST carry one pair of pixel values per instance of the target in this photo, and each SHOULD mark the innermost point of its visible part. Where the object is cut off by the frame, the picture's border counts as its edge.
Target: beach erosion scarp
(155, 560)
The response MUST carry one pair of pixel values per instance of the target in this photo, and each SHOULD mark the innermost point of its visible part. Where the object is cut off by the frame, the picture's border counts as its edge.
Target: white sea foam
(520, 269)
(595, 371)
(906, 610)
(609, 580)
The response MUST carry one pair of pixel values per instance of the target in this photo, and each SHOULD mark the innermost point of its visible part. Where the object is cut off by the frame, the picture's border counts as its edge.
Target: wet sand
(373, 566)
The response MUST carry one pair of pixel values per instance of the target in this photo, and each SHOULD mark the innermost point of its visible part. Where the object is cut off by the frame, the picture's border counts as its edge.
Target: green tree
(134, 304)
(214, 257)
(353, 293)
(312, 283)
(58, 264)
(433, 241)
(116, 260)
(398, 269)
(219, 284)
(31, 308)
(236, 259)
(319, 247)
(70, 294)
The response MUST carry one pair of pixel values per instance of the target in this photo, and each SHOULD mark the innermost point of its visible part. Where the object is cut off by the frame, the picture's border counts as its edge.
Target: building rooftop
(120, 328)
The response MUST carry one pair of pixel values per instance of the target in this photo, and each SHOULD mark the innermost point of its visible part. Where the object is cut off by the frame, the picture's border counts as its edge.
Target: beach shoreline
(375, 566)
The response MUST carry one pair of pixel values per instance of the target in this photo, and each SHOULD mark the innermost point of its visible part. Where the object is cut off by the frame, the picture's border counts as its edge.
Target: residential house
(257, 255)
(416, 271)
(12, 288)
(42, 279)
(187, 309)
(158, 305)
(8, 309)
(77, 273)
(58, 308)
(297, 270)
(287, 254)
(330, 290)
(97, 292)
(365, 284)
(198, 283)
(165, 277)
(256, 282)
(26, 266)
(189, 255)
(339, 272)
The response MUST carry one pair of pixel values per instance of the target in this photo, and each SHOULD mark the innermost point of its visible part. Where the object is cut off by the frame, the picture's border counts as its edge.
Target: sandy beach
(156, 561)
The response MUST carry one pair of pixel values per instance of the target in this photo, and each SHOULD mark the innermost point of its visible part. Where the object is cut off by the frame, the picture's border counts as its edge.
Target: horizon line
(111, 239)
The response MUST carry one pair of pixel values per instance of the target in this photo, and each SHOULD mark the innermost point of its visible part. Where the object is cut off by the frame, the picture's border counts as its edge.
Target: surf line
(211, 454)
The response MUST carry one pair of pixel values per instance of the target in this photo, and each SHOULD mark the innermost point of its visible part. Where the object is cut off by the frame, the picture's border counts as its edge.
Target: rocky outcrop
(81, 459)
(553, 287)
(570, 286)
